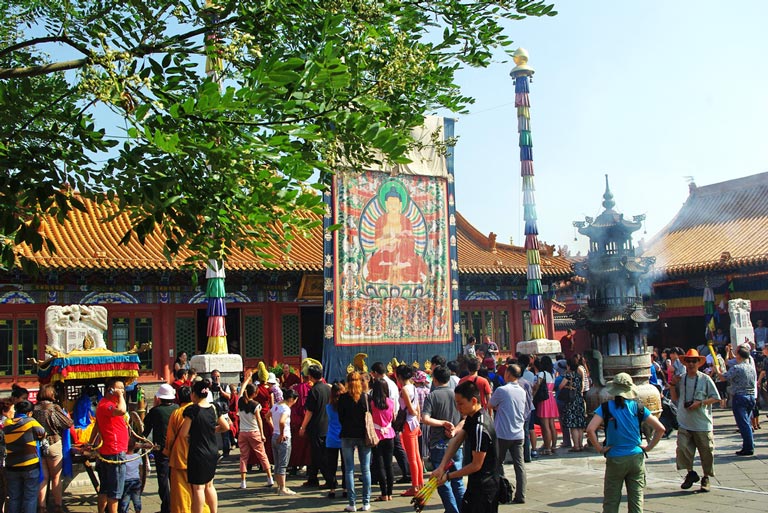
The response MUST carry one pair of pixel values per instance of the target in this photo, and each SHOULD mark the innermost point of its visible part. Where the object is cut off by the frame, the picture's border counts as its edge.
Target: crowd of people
(459, 421)
(421, 420)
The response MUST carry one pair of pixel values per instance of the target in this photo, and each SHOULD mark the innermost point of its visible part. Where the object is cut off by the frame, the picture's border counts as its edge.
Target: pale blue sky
(647, 92)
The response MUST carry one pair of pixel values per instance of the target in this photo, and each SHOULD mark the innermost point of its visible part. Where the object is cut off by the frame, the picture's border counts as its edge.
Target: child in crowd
(132, 488)
(281, 438)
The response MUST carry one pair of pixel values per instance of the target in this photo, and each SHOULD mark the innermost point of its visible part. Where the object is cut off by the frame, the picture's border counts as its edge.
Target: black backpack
(505, 491)
(668, 415)
(497, 381)
(608, 416)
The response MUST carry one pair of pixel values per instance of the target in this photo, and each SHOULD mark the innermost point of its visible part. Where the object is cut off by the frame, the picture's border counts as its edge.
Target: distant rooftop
(720, 227)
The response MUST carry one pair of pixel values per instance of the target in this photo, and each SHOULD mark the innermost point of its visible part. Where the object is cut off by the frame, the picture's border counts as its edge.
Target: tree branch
(140, 51)
(34, 71)
(40, 40)
(143, 49)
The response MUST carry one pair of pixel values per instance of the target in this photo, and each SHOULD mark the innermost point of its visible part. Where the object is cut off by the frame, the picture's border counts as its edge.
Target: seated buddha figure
(394, 259)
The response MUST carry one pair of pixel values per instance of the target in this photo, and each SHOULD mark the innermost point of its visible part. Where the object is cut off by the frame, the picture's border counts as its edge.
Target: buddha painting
(393, 246)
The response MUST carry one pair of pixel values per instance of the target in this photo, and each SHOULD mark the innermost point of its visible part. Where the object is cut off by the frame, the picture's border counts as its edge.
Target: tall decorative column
(521, 75)
(216, 352)
(215, 296)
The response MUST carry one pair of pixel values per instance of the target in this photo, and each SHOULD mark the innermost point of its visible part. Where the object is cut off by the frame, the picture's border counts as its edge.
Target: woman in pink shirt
(383, 411)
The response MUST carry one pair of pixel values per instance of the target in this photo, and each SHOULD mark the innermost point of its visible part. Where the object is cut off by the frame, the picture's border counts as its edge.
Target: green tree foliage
(111, 99)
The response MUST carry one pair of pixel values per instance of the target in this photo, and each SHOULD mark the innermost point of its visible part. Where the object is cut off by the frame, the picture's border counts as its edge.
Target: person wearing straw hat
(623, 451)
(694, 393)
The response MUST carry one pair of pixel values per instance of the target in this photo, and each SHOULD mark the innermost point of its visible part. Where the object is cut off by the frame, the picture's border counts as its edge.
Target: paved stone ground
(566, 482)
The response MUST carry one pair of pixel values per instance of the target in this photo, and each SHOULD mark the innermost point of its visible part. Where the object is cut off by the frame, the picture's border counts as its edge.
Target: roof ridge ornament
(608, 202)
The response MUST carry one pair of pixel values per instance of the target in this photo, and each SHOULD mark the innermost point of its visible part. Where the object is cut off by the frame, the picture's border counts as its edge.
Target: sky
(650, 93)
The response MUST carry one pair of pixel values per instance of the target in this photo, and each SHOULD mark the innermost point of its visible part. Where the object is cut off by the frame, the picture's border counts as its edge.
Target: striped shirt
(481, 437)
(21, 436)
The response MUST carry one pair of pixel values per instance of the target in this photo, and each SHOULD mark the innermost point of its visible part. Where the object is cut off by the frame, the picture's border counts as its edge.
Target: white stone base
(225, 363)
(538, 346)
(742, 336)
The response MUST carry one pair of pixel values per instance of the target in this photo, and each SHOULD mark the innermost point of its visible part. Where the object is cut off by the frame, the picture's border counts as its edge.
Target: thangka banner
(392, 266)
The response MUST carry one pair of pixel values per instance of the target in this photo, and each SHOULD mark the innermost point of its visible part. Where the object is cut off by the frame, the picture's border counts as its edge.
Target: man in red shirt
(113, 430)
(473, 365)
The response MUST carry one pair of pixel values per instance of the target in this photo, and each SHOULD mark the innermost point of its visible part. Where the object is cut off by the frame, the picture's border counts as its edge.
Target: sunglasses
(690, 361)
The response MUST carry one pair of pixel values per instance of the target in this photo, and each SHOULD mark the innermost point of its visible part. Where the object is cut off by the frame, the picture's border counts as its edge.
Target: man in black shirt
(157, 424)
(480, 453)
(315, 425)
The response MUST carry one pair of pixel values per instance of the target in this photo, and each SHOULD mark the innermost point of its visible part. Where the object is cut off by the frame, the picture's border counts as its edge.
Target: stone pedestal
(742, 331)
(538, 346)
(229, 365)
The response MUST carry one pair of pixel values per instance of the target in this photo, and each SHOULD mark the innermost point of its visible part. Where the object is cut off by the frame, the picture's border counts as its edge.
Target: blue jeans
(22, 490)
(111, 476)
(527, 441)
(281, 454)
(742, 410)
(364, 455)
(451, 496)
(131, 493)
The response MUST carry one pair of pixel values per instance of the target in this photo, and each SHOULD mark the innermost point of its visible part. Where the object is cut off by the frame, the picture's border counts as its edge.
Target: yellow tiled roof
(481, 254)
(85, 241)
(720, 227)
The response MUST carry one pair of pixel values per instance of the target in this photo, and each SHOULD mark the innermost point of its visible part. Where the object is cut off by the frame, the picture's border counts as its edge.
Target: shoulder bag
(399, 423)
(542, 393)
(371, 438)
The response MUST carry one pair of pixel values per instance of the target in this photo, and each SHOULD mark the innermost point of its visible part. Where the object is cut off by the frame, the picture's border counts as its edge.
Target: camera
(688, 404)
(215, 387)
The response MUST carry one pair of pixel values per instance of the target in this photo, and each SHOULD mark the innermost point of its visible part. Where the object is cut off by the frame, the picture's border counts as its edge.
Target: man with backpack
(473, 365)
(624, 454)
(694, 393)
(495, 378)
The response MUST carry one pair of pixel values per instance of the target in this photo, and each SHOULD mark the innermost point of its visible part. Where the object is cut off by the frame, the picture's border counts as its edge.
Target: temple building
(718, 241)
(272, 313)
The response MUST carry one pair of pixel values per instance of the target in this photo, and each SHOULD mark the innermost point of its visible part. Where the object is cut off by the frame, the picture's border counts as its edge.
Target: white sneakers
(286, 491)
(366, 507)
(350, 508)
(242, 485)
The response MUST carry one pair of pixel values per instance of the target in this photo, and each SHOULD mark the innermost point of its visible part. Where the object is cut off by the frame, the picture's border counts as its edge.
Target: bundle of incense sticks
(421, 498)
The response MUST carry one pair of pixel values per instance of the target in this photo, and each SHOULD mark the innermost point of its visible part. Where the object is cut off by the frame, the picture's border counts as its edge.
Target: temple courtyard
(567, 482)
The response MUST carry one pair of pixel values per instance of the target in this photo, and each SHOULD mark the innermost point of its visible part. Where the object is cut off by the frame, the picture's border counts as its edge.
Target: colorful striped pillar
(217, 308)
(214, 273)
(521, 75)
